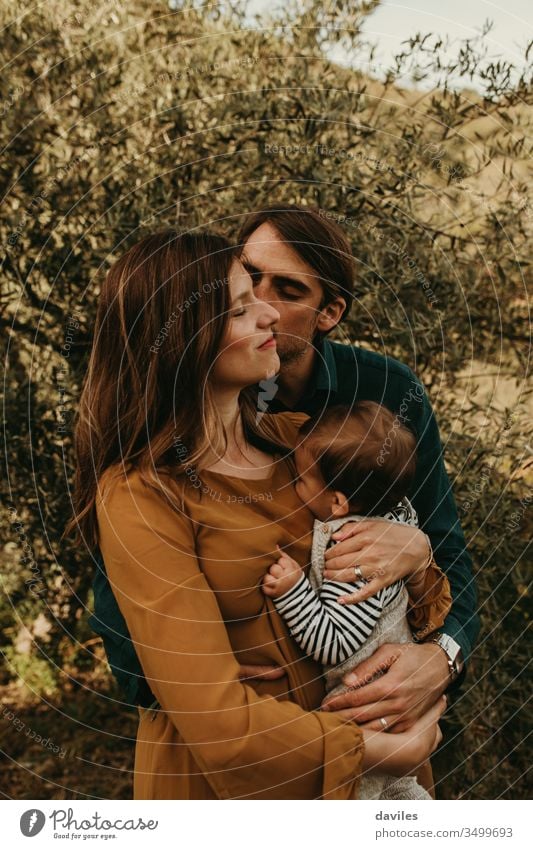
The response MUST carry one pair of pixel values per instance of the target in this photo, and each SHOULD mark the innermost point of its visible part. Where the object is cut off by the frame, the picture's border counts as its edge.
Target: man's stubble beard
(291, 349)
(291, 354)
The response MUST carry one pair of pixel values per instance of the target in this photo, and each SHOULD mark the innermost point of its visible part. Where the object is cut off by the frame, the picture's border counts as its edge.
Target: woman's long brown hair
(161, 318)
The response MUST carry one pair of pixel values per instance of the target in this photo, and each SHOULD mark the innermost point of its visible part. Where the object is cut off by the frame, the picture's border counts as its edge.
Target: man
(301, 262)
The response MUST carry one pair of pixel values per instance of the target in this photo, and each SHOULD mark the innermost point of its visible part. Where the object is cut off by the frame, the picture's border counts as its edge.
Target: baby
(351, 463)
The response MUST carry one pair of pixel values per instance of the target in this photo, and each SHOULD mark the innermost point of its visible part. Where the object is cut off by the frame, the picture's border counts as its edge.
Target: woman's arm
(430, 600)
(242, 742)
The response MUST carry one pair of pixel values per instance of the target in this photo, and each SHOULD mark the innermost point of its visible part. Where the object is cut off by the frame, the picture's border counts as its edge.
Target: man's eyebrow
(282, 280)
(247, 264)
(279, 279)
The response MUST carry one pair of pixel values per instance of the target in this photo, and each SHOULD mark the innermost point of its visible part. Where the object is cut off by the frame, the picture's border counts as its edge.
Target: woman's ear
(330, 315)
(339, 505)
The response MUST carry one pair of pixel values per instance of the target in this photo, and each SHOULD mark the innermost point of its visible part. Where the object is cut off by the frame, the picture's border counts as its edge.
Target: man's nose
(261, 290)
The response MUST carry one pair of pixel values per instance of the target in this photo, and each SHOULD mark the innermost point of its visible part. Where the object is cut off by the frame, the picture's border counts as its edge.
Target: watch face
(453, 650)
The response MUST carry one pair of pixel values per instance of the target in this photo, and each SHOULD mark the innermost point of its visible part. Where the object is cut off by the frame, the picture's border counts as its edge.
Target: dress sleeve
(243, 743)
(428, 613)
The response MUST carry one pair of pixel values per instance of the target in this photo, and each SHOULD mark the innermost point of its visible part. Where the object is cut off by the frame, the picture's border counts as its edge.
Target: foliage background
(118, 118)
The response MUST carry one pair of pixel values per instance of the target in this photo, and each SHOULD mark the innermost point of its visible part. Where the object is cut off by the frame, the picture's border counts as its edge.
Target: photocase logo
(268, 388)
(32, 822)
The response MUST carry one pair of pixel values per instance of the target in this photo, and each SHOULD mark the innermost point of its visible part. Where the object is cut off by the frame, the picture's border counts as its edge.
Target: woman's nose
(269, 315)
(272, 315)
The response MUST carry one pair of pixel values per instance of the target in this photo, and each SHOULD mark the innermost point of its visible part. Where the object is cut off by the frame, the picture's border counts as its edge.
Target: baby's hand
(282, 576)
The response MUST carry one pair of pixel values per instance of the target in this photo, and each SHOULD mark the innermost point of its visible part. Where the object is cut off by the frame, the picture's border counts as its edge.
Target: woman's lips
(270, 343)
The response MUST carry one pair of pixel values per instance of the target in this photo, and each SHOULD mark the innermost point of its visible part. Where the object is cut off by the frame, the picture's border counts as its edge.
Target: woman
(188, 493)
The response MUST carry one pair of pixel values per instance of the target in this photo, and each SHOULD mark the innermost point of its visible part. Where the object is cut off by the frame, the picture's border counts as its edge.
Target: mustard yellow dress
(187, 578)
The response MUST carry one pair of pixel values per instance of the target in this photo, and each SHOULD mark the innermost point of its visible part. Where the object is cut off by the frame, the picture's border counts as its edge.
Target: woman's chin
(265, 368)
(273, 365)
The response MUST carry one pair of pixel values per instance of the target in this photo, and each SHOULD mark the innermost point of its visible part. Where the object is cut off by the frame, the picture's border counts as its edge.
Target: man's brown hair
(319, 241)
(365, 452)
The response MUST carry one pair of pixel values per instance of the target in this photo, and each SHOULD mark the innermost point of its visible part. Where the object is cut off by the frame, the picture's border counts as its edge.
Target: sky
(393, 22)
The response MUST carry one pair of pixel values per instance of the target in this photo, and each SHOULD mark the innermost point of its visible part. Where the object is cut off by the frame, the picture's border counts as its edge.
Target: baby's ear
(339, 505)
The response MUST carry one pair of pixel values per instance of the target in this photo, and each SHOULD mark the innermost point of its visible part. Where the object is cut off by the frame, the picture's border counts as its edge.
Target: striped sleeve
(324, 629)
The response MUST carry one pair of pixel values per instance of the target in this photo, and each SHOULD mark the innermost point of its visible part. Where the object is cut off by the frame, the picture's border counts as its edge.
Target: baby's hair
(365, 452)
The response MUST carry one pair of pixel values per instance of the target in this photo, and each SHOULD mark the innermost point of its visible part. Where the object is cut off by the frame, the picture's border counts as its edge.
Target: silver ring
(384, 722)
(358, 574)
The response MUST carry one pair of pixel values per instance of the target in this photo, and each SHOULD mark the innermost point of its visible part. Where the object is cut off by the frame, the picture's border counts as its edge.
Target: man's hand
(413, 678)
(385, 551)
(282, 576)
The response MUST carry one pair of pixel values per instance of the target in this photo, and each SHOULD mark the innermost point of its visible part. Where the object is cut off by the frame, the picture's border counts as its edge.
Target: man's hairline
(243, 260)
(321, 335)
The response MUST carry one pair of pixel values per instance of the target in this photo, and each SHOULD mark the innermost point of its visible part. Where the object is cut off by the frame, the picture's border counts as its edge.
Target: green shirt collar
(323, 383)
(327, 370)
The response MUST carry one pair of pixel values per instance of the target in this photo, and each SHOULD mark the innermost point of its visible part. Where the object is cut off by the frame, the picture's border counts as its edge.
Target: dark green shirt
(344, 374)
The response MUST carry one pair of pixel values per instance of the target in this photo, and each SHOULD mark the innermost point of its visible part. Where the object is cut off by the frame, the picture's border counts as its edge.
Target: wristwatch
(452, 651)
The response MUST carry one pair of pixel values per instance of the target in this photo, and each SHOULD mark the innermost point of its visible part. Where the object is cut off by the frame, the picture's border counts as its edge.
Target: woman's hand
(385, 552)
(403, 754)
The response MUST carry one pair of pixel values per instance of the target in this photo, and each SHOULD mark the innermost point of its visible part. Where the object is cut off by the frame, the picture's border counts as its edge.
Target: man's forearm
(449, 547)
(434, 501)
(462, 622)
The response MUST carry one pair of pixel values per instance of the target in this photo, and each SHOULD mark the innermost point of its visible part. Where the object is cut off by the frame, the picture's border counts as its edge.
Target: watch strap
(452, 669)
